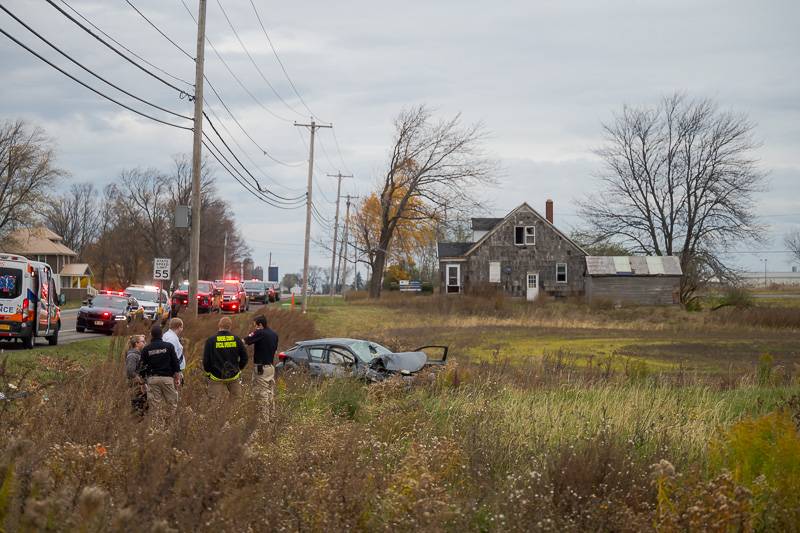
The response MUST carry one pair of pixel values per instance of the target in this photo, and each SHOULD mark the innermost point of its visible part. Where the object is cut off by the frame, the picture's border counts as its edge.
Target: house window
(524, 235)
(561, 272)
(453, 278)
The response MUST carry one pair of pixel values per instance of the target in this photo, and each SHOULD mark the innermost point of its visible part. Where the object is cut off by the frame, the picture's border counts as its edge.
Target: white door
(533, 286)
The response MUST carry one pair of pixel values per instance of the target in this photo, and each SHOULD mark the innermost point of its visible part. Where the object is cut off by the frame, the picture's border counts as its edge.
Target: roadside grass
(46, 364)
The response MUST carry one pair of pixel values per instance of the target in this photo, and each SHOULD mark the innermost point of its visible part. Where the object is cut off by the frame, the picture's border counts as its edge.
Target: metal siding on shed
(622, 264)
(672, 265)
(640, 265)
(600, 265)
(655, 265)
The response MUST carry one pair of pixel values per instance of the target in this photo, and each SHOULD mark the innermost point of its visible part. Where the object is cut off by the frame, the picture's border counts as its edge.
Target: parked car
(155, 301)
(234, 297)
(257, 291)
(208, 298)
(107, 309)
(356, 357)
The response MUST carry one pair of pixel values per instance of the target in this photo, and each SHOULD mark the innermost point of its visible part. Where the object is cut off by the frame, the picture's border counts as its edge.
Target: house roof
(76, 269)
(668, 265)
(36, 241)
(453, 249)
(485, 224)
(512, 213)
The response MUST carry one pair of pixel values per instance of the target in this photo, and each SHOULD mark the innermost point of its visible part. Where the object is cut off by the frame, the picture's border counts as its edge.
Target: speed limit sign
(161, 268)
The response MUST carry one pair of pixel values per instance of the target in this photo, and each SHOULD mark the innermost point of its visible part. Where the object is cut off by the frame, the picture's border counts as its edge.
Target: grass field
(551, 417)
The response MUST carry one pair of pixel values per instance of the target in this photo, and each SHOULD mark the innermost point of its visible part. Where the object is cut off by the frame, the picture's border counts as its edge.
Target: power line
(93, 25)
(87, 69)
(233, 74)
(250, 57)
(164, 35)
(277, 57)
(255, 180)
(76, 80)
(339, 150)
(116, 51)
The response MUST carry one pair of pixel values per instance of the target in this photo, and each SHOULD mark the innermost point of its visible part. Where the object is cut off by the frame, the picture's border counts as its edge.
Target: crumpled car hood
(397, 362)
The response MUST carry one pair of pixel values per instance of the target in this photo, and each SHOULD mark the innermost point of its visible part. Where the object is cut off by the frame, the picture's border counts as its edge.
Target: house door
(453, 278)
(533, 286)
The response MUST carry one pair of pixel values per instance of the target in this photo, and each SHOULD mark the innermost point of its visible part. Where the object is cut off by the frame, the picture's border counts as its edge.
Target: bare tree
(679, 179)
(27, 173)
(433, 166)
(75, 216)
(793, 243)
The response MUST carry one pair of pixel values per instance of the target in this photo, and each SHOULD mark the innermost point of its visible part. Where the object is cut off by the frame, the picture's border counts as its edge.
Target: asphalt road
(68, 334)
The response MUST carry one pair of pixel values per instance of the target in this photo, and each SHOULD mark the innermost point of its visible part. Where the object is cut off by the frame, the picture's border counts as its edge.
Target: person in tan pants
(265, 344)
(161, 372)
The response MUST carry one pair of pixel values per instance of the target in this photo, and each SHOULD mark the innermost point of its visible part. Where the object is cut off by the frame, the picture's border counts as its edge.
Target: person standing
(161, 371)
(133, 362)
(224, 357)
(173, 336)
(265, 343)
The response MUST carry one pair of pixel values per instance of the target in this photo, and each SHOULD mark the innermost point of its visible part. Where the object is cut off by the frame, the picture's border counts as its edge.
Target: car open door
(436, 349)
(44, 302)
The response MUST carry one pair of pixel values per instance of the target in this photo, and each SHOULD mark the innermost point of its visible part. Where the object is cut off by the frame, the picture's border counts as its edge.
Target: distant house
(525, 255)
(40, 244)
(76, 281)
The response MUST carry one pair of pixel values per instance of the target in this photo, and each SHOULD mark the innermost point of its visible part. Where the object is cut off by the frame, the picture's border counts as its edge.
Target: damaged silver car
(358, 358)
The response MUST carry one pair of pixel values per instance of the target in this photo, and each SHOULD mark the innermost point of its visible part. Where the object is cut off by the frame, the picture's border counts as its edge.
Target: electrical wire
(277, 57)
(116, 51)
(164, 35)
(243, 183)
(255, 180)
(250, 57)
(339, 150)
(87, 69)
(76, 80)
(235, 77)
(93, 25)
(333, 168)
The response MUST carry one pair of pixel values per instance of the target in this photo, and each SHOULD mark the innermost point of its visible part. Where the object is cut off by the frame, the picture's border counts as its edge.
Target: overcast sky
(541, 75)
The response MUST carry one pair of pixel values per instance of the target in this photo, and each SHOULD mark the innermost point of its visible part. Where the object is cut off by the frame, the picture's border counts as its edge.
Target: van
(29, 301)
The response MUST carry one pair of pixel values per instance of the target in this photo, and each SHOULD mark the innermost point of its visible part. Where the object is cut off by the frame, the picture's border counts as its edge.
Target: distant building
(76, 281)
(525, 255)
(40, 244)
(765, 279)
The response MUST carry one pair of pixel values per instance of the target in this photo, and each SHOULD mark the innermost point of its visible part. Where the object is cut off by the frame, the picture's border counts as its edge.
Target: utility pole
(338, 175)
(194, 243)
(313, 127)
(343, 250)
(224, 254)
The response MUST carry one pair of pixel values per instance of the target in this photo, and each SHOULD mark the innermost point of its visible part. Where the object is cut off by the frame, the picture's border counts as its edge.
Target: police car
(107, 309)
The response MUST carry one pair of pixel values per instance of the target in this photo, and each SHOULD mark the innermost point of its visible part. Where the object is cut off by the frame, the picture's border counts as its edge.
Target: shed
(641, 280)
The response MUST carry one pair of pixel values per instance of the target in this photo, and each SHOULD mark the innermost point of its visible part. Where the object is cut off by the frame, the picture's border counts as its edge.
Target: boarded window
(561, 272)
(494, 272)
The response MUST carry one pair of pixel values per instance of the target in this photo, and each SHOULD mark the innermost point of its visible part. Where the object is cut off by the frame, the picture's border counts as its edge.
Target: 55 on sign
(161, 268)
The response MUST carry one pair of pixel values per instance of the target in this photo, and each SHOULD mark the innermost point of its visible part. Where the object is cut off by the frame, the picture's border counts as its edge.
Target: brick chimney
(548, 210)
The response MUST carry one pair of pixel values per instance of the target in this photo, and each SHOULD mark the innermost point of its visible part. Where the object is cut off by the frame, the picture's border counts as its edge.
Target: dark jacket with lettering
(159, 359)
(265, 343)
(224, 355)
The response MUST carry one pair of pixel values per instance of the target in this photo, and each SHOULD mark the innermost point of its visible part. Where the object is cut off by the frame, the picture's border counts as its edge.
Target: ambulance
(29, 301)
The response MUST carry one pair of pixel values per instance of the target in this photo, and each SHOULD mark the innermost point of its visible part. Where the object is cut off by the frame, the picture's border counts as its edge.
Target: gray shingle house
(523, 254)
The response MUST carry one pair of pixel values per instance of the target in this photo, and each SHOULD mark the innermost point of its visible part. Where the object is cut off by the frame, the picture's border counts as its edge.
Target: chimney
(548, 210)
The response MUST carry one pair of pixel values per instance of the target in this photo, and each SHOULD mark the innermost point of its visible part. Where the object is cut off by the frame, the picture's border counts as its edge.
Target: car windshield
(367, 351)
(143, 295)
(231, 288)
(254, 285)
(201, 287)
(106, 300)
(10, 282)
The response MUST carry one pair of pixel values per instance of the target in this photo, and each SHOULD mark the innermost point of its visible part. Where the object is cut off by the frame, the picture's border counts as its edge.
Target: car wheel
(80, 329)
(53, 339)
(27, 342)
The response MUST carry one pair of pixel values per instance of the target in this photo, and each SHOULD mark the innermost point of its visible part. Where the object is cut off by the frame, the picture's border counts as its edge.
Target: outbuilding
(650, 280)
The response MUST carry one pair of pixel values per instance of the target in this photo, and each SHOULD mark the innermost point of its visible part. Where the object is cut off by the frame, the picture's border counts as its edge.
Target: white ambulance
(29, 300)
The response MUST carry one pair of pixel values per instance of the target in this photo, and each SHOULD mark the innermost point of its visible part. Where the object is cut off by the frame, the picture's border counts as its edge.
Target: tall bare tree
(679, 179)
(27, 173)
(793, 243)
(433, 166)
(75, 216)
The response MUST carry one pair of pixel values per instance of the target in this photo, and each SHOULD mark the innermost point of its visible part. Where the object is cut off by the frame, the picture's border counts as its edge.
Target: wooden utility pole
(194, 243)
(343, 250)
(313, 126)
(224, 254)
(338, 175)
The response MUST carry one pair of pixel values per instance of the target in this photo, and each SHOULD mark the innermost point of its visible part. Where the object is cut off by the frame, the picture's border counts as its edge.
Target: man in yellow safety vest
(224, 357)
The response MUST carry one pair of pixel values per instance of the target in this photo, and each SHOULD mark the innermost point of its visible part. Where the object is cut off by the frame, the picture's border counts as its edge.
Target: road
(68, 334)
